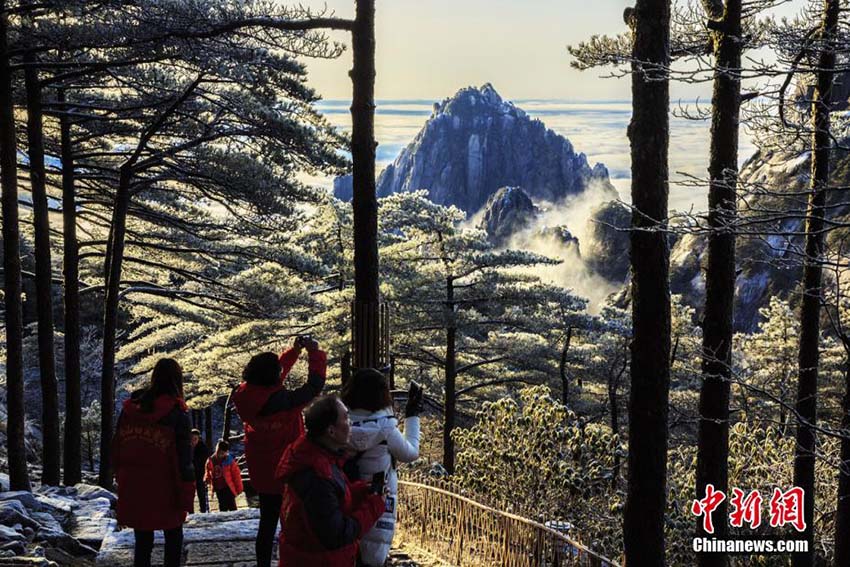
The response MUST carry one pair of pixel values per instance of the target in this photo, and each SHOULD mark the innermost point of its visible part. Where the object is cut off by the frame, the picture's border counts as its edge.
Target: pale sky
(428, 49)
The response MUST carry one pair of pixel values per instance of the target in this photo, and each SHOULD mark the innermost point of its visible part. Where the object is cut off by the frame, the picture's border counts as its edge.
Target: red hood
(305, 454)
(250, 399)
(162, 406)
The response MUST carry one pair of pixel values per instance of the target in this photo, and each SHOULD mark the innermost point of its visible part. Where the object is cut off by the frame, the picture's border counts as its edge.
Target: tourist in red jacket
(323, 515)
(224, 477)
(152, 460)
(272, 421)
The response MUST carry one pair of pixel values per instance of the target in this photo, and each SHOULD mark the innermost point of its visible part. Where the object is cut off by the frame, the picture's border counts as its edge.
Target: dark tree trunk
(614, 407)
(451, 378)
(808, 358)
(562, 369)
(643, 527)
(51, 449)
(364, 201)
(110, 325)
(73, 400)
(18, 473)
(208, 427)
(842, 512)
(228, 416)
(713, 438)
(345, 367)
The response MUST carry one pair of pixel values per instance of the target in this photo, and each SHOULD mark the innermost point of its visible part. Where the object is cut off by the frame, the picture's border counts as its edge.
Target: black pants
(144, 548)
(203, 497)
(269, 517)
(226, 499)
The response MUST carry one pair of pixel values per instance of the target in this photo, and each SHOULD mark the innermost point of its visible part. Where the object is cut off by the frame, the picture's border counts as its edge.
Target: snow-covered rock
(68, 523)
(90, 492)
(13, 512)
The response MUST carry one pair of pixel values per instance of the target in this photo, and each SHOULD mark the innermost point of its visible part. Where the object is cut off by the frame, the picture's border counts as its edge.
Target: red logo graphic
(713, 499)
(787, 508)
(745, 509)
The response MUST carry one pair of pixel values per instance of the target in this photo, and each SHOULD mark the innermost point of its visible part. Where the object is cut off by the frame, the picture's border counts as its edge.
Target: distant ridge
(475, 143)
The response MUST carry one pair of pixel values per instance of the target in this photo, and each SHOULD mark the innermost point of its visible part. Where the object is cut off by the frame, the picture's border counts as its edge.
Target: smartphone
(377, 486)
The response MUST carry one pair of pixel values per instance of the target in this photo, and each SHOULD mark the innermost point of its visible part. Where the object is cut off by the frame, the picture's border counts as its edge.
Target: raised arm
(405, 447)
(284, 400)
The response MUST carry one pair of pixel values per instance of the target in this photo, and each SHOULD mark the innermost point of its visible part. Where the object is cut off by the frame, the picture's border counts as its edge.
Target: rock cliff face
(508, 211)
(475, 143)
(767, 264)
(606, 252)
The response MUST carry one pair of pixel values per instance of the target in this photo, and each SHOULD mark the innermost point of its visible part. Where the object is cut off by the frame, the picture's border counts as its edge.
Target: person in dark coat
(271, 415)
(323, 514)
(152, 460)
(200, 454)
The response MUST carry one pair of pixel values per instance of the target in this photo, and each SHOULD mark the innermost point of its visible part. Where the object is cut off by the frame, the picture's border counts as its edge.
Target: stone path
(222, 539)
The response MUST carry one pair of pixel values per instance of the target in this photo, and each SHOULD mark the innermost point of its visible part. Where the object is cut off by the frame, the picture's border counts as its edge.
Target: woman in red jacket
(224, 476)
(152, 460)
(272, 421)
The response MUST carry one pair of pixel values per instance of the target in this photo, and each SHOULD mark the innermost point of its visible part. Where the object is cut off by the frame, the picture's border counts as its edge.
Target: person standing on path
(224, 476)
(380, 445)
(152, 460)
(200, 454)
(271, 415)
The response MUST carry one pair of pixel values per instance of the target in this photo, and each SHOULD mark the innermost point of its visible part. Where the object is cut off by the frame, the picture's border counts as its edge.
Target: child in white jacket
(378, 446)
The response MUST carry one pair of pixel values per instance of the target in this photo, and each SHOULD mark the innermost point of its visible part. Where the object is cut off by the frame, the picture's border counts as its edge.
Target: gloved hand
(414, 400)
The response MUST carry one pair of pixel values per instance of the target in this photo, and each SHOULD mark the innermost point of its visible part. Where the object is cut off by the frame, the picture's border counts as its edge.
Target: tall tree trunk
(208, 427)
(73, 400)
(110, 324)
(643, 527)
(17, 454)
(808, 358)
(228, 416)
(451, 378)
(842, 512)
(614, 407)
(364, 201)
(51, 449)
(713, 438)
(562, 369)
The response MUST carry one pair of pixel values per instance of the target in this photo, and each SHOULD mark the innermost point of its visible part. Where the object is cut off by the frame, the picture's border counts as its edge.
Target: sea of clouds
(596, 128)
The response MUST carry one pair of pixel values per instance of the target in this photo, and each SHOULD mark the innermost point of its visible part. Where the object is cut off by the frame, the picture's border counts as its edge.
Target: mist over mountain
(475, 143)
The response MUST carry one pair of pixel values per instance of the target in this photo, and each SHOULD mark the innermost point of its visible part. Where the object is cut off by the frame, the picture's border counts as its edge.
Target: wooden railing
(463, 532)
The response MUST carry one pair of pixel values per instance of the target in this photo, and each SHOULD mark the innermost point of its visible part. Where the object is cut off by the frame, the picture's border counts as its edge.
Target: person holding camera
(271, 415)
(380, 445)
(323, 514)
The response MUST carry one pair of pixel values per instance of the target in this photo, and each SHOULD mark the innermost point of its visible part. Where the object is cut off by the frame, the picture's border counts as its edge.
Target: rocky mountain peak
(475, 143)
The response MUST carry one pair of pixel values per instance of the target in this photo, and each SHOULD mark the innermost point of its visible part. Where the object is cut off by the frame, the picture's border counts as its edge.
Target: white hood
(371, 429)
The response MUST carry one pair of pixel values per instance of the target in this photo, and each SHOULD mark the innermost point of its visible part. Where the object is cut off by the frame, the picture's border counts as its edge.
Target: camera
(302, 340)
